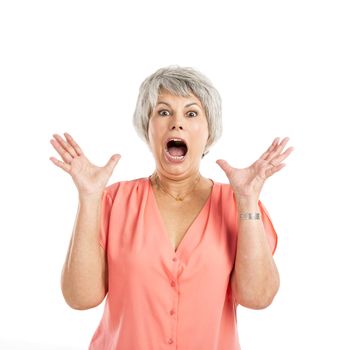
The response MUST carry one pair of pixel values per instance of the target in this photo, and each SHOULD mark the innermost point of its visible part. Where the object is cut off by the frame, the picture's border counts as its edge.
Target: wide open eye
(192, 114)
(164, 114)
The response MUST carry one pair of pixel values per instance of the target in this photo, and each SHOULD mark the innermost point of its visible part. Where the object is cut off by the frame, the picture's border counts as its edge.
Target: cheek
(201, 129)
(155, 131)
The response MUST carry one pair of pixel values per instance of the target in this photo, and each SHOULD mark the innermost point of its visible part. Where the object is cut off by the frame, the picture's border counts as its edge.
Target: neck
(179, 186)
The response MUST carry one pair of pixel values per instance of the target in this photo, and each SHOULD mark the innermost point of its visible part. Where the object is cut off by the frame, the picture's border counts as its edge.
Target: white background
(282, 68)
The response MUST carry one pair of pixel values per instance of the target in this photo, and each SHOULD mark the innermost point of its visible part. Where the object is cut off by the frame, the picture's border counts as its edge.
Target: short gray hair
(180, 81)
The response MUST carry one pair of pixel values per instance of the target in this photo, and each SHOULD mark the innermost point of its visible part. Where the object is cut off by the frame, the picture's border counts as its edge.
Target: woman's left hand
(247, 183)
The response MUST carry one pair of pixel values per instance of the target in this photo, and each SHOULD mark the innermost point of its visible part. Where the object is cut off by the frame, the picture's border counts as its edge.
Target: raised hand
(248, 182)
(89, 179)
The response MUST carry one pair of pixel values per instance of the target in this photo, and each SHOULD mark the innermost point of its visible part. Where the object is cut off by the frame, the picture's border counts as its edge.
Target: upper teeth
(177, 140)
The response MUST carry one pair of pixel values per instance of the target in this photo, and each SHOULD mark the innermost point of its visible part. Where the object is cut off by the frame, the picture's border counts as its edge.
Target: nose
(176, 122)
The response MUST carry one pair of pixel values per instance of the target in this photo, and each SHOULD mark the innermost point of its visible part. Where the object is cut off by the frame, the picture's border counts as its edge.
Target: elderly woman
(174, 252)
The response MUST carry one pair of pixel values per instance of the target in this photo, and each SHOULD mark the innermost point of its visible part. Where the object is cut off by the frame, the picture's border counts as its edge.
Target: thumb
(113, 161)
(224, 166)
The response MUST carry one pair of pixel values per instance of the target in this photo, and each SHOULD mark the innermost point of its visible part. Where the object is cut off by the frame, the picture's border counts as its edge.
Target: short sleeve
(268, 226)
(106, 206)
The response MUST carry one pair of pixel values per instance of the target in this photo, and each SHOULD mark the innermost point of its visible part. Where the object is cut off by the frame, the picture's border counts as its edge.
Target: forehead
(167, 96)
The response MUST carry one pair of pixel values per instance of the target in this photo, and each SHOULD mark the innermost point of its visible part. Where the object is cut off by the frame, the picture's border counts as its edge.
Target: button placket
(173, 312)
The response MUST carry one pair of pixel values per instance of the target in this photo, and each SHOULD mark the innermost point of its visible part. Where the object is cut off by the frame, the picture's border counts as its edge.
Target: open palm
(248, 182)
(88, 178)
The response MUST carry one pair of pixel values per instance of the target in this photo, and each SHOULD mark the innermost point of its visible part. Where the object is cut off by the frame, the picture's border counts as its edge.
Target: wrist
(250, 215)
(247, 203)
(90, 198)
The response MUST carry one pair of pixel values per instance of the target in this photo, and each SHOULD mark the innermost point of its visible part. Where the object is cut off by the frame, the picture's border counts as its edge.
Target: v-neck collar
(188, 234)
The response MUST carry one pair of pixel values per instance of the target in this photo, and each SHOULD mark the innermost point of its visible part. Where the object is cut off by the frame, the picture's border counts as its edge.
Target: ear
(206, 149)
(205, 153)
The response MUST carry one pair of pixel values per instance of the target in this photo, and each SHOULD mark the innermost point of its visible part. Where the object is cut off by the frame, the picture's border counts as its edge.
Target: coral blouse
(161, 299)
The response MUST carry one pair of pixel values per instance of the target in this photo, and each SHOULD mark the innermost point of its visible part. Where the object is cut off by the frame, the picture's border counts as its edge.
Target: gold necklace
(177, 198)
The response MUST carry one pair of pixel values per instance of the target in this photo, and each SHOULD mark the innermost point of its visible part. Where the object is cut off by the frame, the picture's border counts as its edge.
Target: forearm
(255, 280)
(83, 280)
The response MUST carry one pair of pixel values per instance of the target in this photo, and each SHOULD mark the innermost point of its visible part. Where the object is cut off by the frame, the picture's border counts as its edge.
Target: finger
(225, 166)
(282, 156)
(270, 149)
(72, 142)
(66, 156)
(274, 169)
(66, 167)
(278, 149)
(113, 161)
(66, 146)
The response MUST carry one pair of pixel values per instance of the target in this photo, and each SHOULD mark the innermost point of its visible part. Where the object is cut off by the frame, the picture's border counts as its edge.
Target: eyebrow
(190, 104)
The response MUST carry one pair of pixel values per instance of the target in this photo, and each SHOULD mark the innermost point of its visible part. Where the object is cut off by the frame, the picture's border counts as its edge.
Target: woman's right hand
(89, 179)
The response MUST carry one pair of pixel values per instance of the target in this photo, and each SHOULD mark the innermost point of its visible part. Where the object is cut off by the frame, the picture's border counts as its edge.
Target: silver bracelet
(250, 216)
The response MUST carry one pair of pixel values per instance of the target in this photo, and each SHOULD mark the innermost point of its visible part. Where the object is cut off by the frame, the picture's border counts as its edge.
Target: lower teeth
(176, 157)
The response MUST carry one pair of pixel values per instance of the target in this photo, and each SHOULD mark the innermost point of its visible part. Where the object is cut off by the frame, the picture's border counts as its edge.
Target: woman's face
(178, 117)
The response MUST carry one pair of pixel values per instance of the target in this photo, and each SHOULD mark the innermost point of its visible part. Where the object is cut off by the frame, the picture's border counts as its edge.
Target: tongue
(177, 151)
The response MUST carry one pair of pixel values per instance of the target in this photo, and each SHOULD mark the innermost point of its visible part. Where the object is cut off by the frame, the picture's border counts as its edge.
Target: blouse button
(170, 341)
(172, 312)
(172, 283)
(175, 259)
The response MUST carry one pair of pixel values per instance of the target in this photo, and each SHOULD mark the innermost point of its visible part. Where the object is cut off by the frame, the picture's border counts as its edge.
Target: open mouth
(176, 149)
